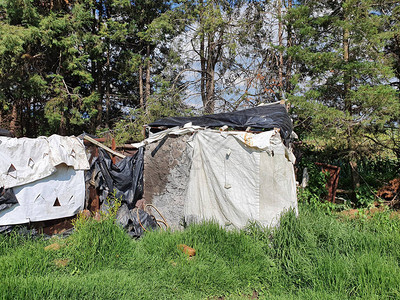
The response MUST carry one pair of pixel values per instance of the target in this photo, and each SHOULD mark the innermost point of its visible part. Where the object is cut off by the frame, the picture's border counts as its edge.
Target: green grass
(313, 256)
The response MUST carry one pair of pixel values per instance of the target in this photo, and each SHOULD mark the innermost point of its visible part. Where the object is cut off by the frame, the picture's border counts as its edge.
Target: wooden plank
(93, 141)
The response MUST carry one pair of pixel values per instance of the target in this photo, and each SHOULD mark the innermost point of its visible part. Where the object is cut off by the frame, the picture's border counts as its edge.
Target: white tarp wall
(47, 176)
(238, 177)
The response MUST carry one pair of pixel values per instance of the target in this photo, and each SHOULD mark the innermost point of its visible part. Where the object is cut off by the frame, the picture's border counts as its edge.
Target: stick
(88, 138)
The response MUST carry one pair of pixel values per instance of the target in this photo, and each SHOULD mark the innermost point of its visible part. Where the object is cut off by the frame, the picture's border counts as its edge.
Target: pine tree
(69, 66)
(343, 90)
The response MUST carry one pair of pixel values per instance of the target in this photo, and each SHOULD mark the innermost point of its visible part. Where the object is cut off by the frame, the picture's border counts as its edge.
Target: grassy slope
(314, 256)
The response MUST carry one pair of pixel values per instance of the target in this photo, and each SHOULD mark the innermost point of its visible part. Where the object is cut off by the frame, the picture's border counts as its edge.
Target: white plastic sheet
(38, 201)
(237, 177)
(155, 137)
(26, 160)
(46, 175)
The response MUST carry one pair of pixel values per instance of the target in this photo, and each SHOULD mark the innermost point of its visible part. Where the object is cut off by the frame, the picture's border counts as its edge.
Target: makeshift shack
(238, 173)
(231, 168)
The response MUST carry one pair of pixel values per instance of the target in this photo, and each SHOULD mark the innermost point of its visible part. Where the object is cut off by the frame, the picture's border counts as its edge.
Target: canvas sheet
(62, 194)
(155, 137)
(235, 179)
(26, 160)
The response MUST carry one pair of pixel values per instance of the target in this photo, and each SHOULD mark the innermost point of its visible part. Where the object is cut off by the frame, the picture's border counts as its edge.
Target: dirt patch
(61, 262)
(368, 213)
(53, 247)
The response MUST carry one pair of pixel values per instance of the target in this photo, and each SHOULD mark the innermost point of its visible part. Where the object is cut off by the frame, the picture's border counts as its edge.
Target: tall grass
(313, 256)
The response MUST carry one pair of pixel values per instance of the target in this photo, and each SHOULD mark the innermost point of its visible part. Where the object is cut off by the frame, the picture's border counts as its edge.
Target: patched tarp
(45, 175)
(267, 117)
(237, 177)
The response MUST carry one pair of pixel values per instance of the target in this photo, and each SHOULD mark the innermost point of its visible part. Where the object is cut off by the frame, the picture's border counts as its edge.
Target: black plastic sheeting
(135, 220)
(125, 178)
(5, 132)
(124, 181)
(268, 117)
(7, 200)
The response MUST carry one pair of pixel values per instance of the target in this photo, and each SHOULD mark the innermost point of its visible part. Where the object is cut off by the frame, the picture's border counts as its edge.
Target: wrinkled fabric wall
(231, 177)
(46, 175)
(232, 183)
(25, 160)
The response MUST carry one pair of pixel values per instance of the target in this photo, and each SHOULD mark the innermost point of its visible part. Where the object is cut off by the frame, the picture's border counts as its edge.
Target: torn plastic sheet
(155, 137)
(26, 160)
(125, 177)
(268, 117)
(59, 195)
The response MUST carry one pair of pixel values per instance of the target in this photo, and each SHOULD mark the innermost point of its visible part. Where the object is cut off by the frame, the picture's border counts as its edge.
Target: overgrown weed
(313, 256)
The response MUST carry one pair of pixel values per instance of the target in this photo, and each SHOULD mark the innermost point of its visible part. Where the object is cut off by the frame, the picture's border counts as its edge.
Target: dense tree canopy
(68, 66)
(344, 92)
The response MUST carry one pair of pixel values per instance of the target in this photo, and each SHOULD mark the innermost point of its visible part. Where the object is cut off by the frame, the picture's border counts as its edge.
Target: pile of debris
(391, 193)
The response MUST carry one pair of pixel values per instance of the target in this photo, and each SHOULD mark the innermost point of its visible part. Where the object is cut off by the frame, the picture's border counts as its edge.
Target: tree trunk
(288, 86)
(354, 174)
(348, 108)
(62, 127)
(280, 33)
(99, 118)
(346, 76)
(148, 74)
(14, 121)
(108, 101)
(209, 103)
(141, 94)
(203, 78)
(99, 77)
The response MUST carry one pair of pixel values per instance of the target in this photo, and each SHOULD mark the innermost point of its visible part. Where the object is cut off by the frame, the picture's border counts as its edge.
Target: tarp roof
(268, 116)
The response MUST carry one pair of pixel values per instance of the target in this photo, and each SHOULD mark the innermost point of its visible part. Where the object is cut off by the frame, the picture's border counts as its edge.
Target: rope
(140, 223)
(161, 215)
(163, 221)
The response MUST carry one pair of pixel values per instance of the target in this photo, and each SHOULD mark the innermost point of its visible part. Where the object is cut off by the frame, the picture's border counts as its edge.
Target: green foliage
(345, 104)
(316, 190)
(365, 196)
(373, 172)
(96, 244)
(130, 128)
(320, 253)
(82, 53)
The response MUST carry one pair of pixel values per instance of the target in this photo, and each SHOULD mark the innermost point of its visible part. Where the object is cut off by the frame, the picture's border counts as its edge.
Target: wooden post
(113, 147)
